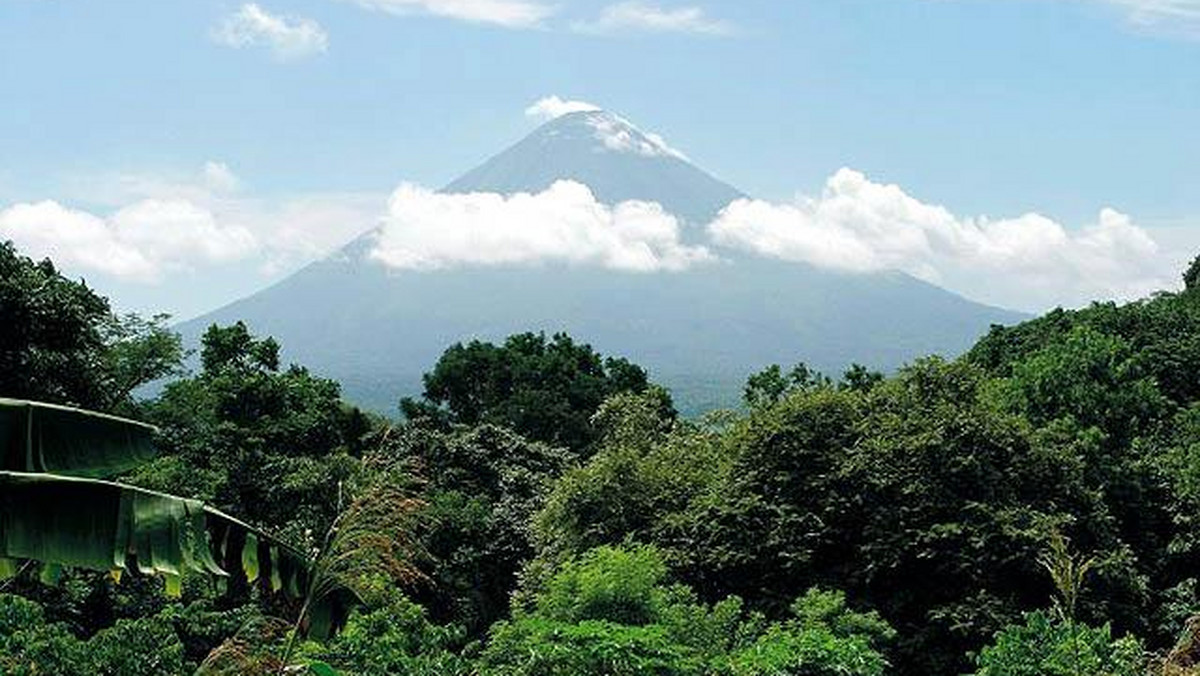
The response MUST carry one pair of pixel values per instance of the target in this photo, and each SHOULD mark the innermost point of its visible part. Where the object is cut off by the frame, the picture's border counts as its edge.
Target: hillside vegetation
(1029, 509)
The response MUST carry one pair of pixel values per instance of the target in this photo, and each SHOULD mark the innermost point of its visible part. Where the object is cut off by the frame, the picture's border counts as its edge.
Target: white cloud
(1179, 18)
(1170, 14)
(143, 228)
(138, 242)
(1030, 262)
(174, 233)
(213, 180)
(506, 13)
(288, 37)
(425, 230)
(220, 178)
(300, 229)
(636, 15)
(553, 107)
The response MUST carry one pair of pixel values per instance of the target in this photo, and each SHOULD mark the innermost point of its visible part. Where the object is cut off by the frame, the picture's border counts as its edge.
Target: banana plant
(57, 508)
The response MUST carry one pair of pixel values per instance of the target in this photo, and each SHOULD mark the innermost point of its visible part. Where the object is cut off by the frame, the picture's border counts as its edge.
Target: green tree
(139, 351)
(647, 467)
(56, 515)
(29, 645)
(861, 378)
(920, 496)
(1191, 278)
(545, 389)
(823, 637)
(268, 443)
(485, 483)
(61, 343)
(770, 385)
(1090, 378)
(396, 637)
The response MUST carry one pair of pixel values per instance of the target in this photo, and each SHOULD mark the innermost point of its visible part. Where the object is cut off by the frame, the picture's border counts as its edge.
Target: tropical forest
(1031, 507)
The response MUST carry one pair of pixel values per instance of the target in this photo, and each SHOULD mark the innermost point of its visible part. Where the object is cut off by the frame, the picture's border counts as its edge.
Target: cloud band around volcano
(854, 226)
(425, 230)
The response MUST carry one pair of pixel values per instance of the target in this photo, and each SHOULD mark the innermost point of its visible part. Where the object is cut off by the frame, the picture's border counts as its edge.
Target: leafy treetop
(544, 389)
(61, 343)
(1191, 278)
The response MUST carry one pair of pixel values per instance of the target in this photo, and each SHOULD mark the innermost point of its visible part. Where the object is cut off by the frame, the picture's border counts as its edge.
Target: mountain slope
(700, 331)
(612, 157)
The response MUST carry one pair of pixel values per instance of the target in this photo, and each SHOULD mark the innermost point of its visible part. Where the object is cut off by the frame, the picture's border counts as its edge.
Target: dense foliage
(267, 443)
(544, 389)
(1047, 646)
(611, 612)
(565, 520)
(61, 343)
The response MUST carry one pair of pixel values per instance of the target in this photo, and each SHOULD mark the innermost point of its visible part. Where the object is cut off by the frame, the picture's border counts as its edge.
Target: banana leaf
(275, 567)
(54, 509)
(104, 526)
(99, 525)
(37, 437)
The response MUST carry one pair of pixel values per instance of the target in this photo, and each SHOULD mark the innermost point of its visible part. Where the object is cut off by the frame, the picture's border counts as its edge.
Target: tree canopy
(545, 389)
(60, 342)
(562, 519)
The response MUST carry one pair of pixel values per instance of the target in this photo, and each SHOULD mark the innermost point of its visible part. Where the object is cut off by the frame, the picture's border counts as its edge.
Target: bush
(142, 647)
(396, 638)
(1049, 646)
(611, 613)
(29, 646)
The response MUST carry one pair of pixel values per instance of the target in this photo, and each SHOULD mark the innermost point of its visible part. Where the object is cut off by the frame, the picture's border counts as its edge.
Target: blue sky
(317, 109)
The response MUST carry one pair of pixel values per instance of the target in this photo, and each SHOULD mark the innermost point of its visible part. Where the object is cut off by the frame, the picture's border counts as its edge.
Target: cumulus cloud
(505, 13)
(288, 37)
(553, 107)
(1030, 262)
(142, 228)
(139, 242)
(565, 223)
(636, 15)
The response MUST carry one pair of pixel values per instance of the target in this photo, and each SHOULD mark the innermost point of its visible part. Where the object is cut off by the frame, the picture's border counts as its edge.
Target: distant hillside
(700, 331)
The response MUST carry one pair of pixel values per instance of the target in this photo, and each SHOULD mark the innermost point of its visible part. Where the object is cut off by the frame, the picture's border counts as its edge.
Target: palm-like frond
(105, 526)
(55, 510)
(45, 438)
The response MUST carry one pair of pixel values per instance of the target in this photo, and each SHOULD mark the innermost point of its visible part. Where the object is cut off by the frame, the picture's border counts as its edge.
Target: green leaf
(51, 574)
(250, 557)
(106, 526)
(174, 588)
(276, 578)
(44, 438)
(322, 669)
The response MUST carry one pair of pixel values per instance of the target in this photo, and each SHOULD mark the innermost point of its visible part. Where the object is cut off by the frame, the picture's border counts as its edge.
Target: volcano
(700, 331)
